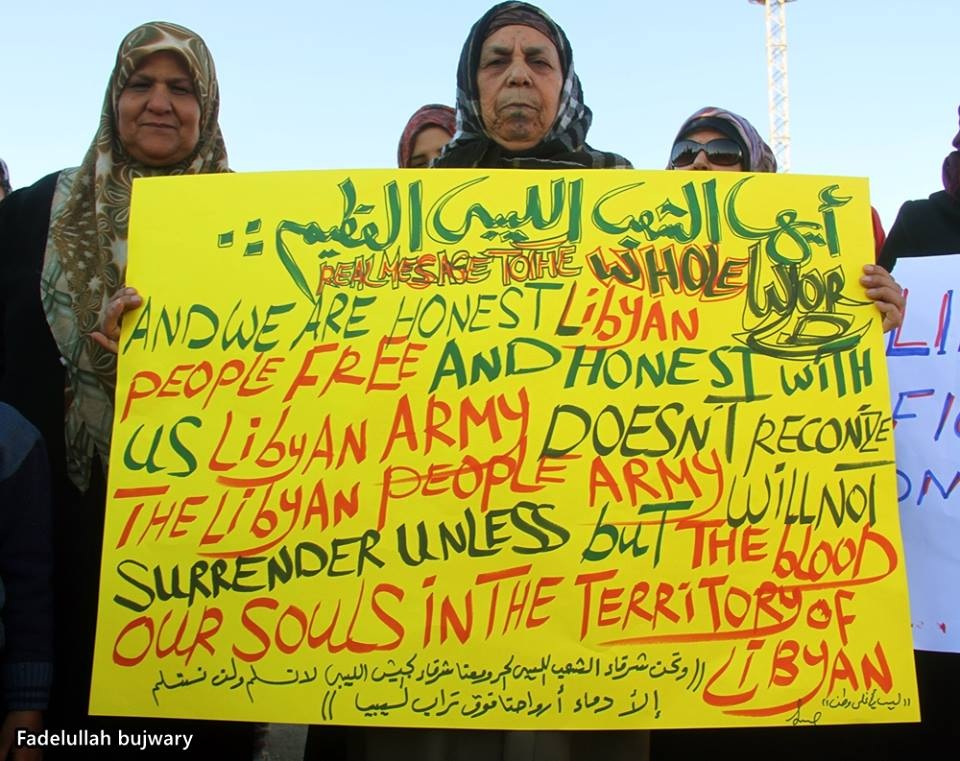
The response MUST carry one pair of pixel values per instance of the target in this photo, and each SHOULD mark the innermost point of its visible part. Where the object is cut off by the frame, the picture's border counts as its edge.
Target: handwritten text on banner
(503, 449)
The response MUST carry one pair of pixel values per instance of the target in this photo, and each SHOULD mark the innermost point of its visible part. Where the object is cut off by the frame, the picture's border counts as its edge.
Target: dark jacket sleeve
(32, 376)
(24, 219)
(900, 240)
(925, 227)
(26, 564)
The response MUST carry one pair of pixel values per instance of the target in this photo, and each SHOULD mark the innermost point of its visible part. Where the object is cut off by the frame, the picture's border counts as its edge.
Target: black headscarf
(951, 169)
(564, 146)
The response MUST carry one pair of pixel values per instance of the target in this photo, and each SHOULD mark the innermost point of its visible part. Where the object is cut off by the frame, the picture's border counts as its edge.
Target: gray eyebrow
(530, 50)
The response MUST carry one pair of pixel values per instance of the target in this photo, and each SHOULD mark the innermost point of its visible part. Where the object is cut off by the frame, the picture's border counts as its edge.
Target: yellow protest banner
(503, 449)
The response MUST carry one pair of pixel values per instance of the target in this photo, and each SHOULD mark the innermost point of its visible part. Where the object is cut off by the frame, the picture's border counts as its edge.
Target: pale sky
(318, 85)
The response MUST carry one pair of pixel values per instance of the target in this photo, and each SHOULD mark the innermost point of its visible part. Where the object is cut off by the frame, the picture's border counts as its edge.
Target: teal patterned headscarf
(86, 252)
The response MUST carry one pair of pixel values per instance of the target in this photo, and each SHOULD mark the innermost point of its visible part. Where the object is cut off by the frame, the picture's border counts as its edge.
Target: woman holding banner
(715, 140)
(64, 244)
(519, 106)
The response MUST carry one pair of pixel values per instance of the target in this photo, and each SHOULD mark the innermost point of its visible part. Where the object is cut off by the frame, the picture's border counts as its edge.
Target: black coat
(929, 227)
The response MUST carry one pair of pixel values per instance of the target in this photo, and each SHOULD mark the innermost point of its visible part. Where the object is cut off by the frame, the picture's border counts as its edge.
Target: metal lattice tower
(778, 101)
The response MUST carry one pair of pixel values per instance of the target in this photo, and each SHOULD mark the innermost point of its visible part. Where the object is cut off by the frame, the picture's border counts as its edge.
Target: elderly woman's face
(519, 82)
(158, 115)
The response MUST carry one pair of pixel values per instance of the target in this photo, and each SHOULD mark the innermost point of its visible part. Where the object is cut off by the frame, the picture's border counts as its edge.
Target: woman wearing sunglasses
(721, 141)
(716, 140)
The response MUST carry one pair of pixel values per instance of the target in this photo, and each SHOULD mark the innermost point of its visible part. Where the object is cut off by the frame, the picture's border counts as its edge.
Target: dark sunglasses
(722, 152)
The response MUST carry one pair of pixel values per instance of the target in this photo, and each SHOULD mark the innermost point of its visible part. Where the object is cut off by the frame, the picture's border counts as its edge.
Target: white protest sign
(923, 358)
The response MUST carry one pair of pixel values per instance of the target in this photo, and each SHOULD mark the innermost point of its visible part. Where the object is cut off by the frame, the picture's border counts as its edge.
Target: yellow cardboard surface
(503, 449)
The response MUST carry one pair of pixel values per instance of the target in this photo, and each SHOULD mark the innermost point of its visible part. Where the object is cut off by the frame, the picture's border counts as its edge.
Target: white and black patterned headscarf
(565, 144)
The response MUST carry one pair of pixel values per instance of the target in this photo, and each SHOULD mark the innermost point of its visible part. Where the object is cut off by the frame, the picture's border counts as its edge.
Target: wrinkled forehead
(506, 38)
(516, 15)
